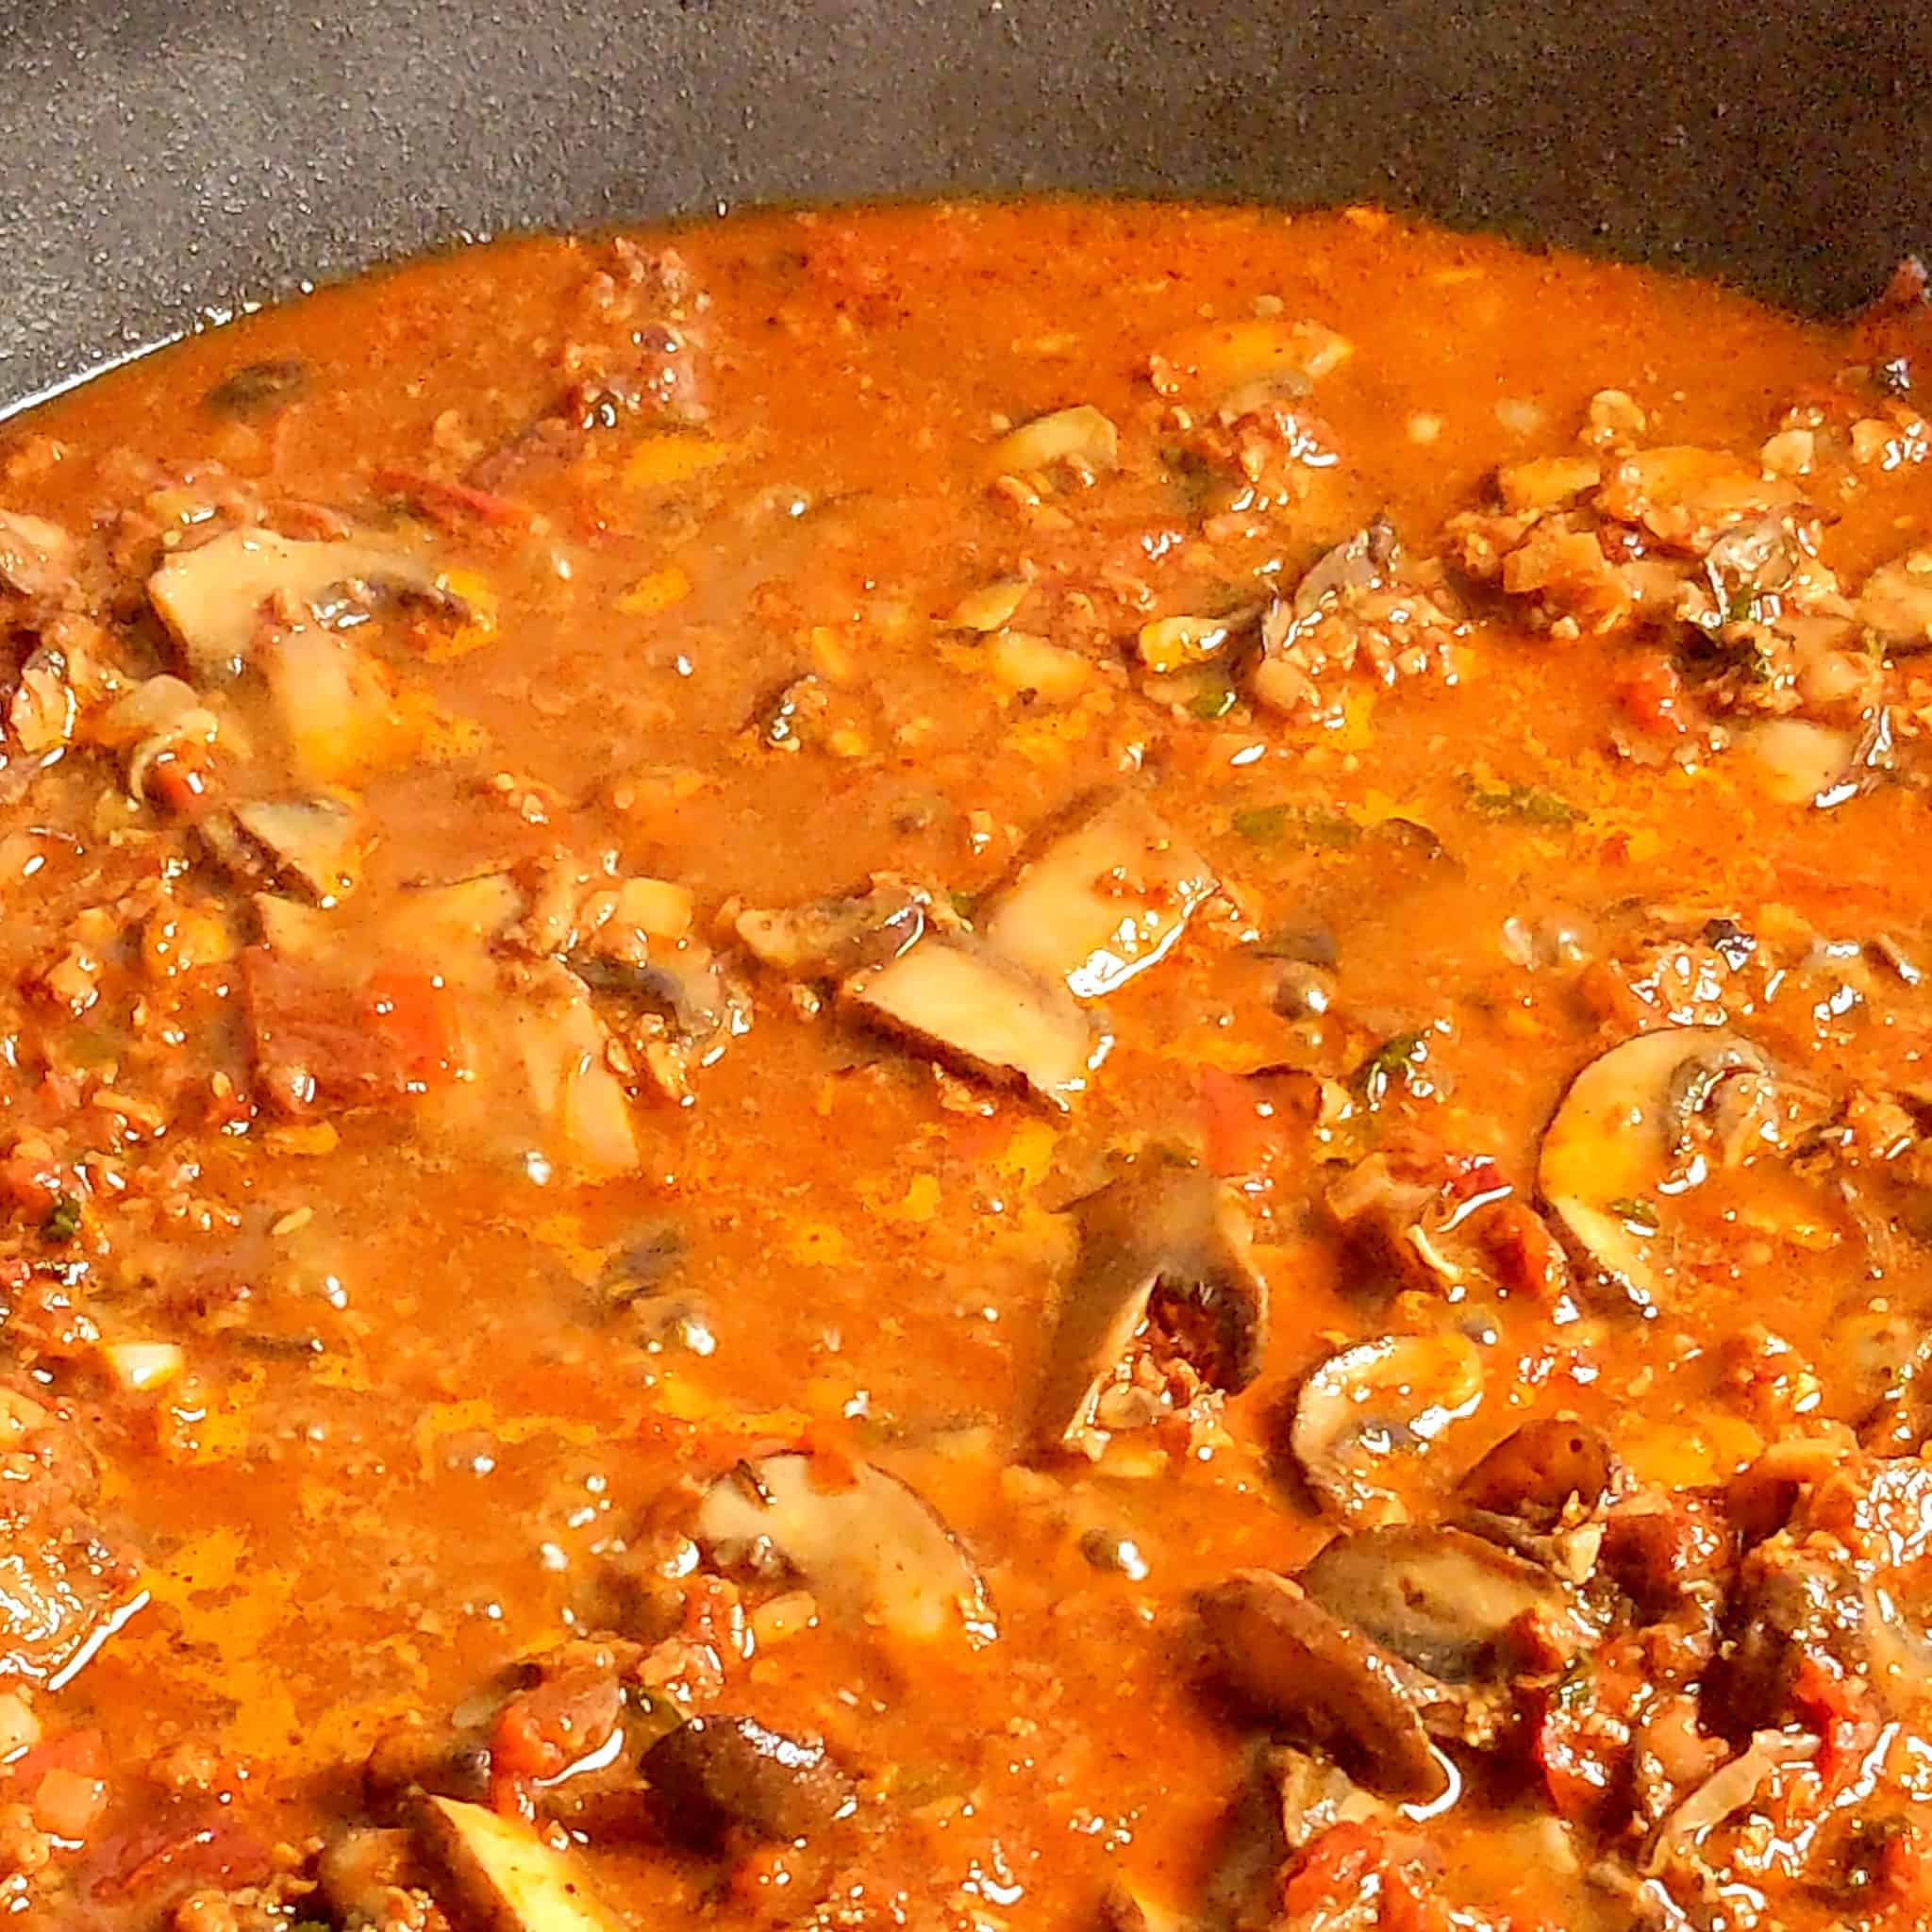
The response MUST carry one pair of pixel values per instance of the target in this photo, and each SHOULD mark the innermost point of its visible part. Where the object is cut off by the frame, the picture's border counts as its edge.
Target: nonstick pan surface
(159, 159)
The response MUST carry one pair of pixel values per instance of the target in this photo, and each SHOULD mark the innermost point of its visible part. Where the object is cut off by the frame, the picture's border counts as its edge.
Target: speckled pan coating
(160, 156)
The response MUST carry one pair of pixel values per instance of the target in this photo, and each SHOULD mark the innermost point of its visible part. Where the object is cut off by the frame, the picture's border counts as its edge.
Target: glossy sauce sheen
(461, 1312)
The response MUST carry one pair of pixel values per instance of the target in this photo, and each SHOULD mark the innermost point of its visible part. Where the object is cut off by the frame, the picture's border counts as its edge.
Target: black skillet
(162, 158)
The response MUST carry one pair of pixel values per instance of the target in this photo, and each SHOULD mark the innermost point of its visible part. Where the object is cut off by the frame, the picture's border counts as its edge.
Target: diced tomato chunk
(415, 1013)
(1332, 1869)
(68, 1802)
(1650, 692)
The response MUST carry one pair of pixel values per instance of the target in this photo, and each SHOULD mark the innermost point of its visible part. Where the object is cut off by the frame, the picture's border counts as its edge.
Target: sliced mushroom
(865, 1544)
(1624, 1129)
(1102, 901)
(1896, 603)
(718, 1773)
(1356, 563)
(1329, 1685)
(1379, 1399)
(832, 938)
(1080, 436)
(1447, 1602)
(210, 597)
(1163, 1238)
(971, 1006)
(504, 1875)
(308, 845)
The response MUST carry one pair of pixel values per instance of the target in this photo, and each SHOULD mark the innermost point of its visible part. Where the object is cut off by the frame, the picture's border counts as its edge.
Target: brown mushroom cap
(720, 1771)
(1532, 1473)
(1163, 1229)
(1292, 1659)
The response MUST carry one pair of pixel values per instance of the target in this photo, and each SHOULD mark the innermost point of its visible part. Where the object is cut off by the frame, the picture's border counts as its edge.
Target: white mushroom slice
(865, 1544)
(309, 846)
(564, 1052)
(1896, 603)
(989, 1015)
(1102, 901)
(210, 597)
(1080, 436)
(1380, 1399)
(1160, 1230)
(505, 1876)
(1624, 1129)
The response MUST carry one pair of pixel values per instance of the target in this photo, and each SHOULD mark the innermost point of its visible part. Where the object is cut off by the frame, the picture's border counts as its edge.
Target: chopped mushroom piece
(1625, 1126)
(1354, 564)
(1080, 436)
(1379, 1399)
(971, 1006)
(832, 938)
(1242, 363)
(1450, 1603)
(36, 556)
(1801, 762)
(1102, 903)
(308, 845)
(1896, 603)
(1330, 1684)
(1166, 1235)
(505, 1876)
(865, 1544)
(211, 597)
(718, 1772)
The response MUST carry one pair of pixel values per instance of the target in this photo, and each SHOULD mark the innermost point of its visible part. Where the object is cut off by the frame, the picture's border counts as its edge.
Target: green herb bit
(1296, 824)
(1577, 1685)
(64, 1221)
(1637, 1212)
(1531, 803)
(965, 904)
(1392, 1062)
(1213, 701)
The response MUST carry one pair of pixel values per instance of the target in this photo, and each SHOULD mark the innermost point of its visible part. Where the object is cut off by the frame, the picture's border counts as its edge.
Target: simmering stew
(972, 1067)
